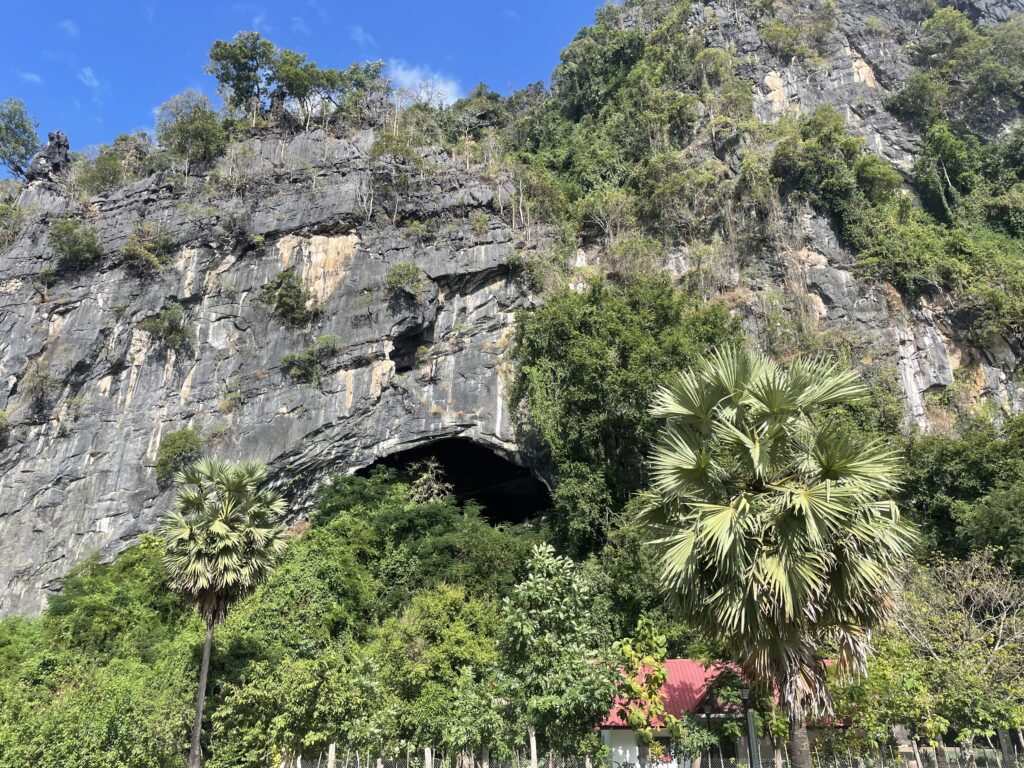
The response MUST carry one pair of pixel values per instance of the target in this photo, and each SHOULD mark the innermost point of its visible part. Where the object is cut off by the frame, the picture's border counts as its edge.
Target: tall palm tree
(777, 531)
(221, 541)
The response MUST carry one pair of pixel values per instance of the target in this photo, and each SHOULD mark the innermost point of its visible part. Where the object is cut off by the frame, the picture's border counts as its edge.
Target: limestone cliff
(78, 477)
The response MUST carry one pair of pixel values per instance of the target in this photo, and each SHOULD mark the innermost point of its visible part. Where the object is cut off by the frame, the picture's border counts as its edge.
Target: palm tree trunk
(195, 753)
(799, 745)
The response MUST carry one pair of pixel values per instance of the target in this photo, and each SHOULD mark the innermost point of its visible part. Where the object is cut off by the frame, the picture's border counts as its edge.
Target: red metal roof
(686, 684)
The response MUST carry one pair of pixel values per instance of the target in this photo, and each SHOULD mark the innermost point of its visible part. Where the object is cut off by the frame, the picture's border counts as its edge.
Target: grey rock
(50, 160)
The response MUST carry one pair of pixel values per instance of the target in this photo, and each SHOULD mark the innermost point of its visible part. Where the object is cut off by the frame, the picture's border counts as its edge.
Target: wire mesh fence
(887, 758)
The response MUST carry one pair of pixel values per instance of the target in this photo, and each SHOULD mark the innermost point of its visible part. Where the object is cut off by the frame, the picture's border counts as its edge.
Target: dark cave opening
(507, 492)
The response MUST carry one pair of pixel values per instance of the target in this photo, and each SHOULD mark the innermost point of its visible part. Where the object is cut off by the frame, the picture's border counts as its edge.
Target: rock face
(51, 159)
(77, 477)
(89, 395)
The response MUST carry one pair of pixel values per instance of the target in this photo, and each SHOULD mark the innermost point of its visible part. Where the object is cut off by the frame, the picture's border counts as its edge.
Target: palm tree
(221, 540)
(777, 532)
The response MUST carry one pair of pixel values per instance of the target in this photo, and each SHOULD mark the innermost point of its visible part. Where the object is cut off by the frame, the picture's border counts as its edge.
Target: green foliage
(5, 428)
(242, 66)
(971, 75)
(777, 532)
(75, 245)
(587, 364)
(403, 279)
(18, 138)
(131, 157)
(39, 384)
(311, 365)
(287, 300)
(188, 128)
(11, 216)
(555, 652)
(169, 328)
(148, 250)
(959, 488)
(947, 247)
(177, 450)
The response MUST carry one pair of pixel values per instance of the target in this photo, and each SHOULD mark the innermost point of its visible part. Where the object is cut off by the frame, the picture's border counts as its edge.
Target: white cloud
(424, 81)
(361, 37)
(258, 20)
(30, 77)
(320, 11)
(70, 28)
(299, 26)
(88, 78)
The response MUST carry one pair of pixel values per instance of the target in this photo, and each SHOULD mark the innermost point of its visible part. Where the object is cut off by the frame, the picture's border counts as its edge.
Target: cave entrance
(507, 492)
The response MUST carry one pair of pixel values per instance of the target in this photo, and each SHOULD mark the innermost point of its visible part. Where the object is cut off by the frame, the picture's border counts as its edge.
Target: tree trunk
(799, 745)
(643, 753)
(778, 753)
(195, 753)
(917, 753)
(331, 754)
(1006, 748)
(428, 757)
(533, 746)
(941, 758)
(485, 756)
(967, 745)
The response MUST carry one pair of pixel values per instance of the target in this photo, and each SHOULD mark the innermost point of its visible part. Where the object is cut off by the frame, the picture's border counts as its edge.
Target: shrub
(311, 364)
(75, 245)
(876, 178)
(11, 216)
(177, 451)
(288, 301)
(169, 328)
(402, 278)
(148, 249)
(5, 428)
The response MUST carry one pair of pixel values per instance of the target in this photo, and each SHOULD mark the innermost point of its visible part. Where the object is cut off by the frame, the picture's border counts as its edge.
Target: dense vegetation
(398, 616)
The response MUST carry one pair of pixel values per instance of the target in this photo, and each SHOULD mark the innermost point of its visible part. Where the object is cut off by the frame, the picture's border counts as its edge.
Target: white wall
(624, 750)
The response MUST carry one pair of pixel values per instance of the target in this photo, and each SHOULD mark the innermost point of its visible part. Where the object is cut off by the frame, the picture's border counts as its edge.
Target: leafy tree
(243, 66)
(640, 702)
(18, 138)
(778, 533)
(555, 657)
(75, 245)
(587, 363)
(131, 157)
(222, 539)
(443, 635)
(177, 451)
(169, 328)
(287, 299)
(189, 129)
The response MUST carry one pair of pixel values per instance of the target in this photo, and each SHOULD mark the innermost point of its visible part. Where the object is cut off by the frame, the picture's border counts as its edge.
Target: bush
(876, 178)
(189, 129)
(75, 245)
(5, 428)
(169, 328)
(39, 385)
(177, 451)
(130, 158)
(147, 250)
(402, 278)
(310, 365)
(288, 301)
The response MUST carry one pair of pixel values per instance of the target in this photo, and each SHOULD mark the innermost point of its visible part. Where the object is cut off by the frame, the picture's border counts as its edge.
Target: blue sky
(96, 69)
